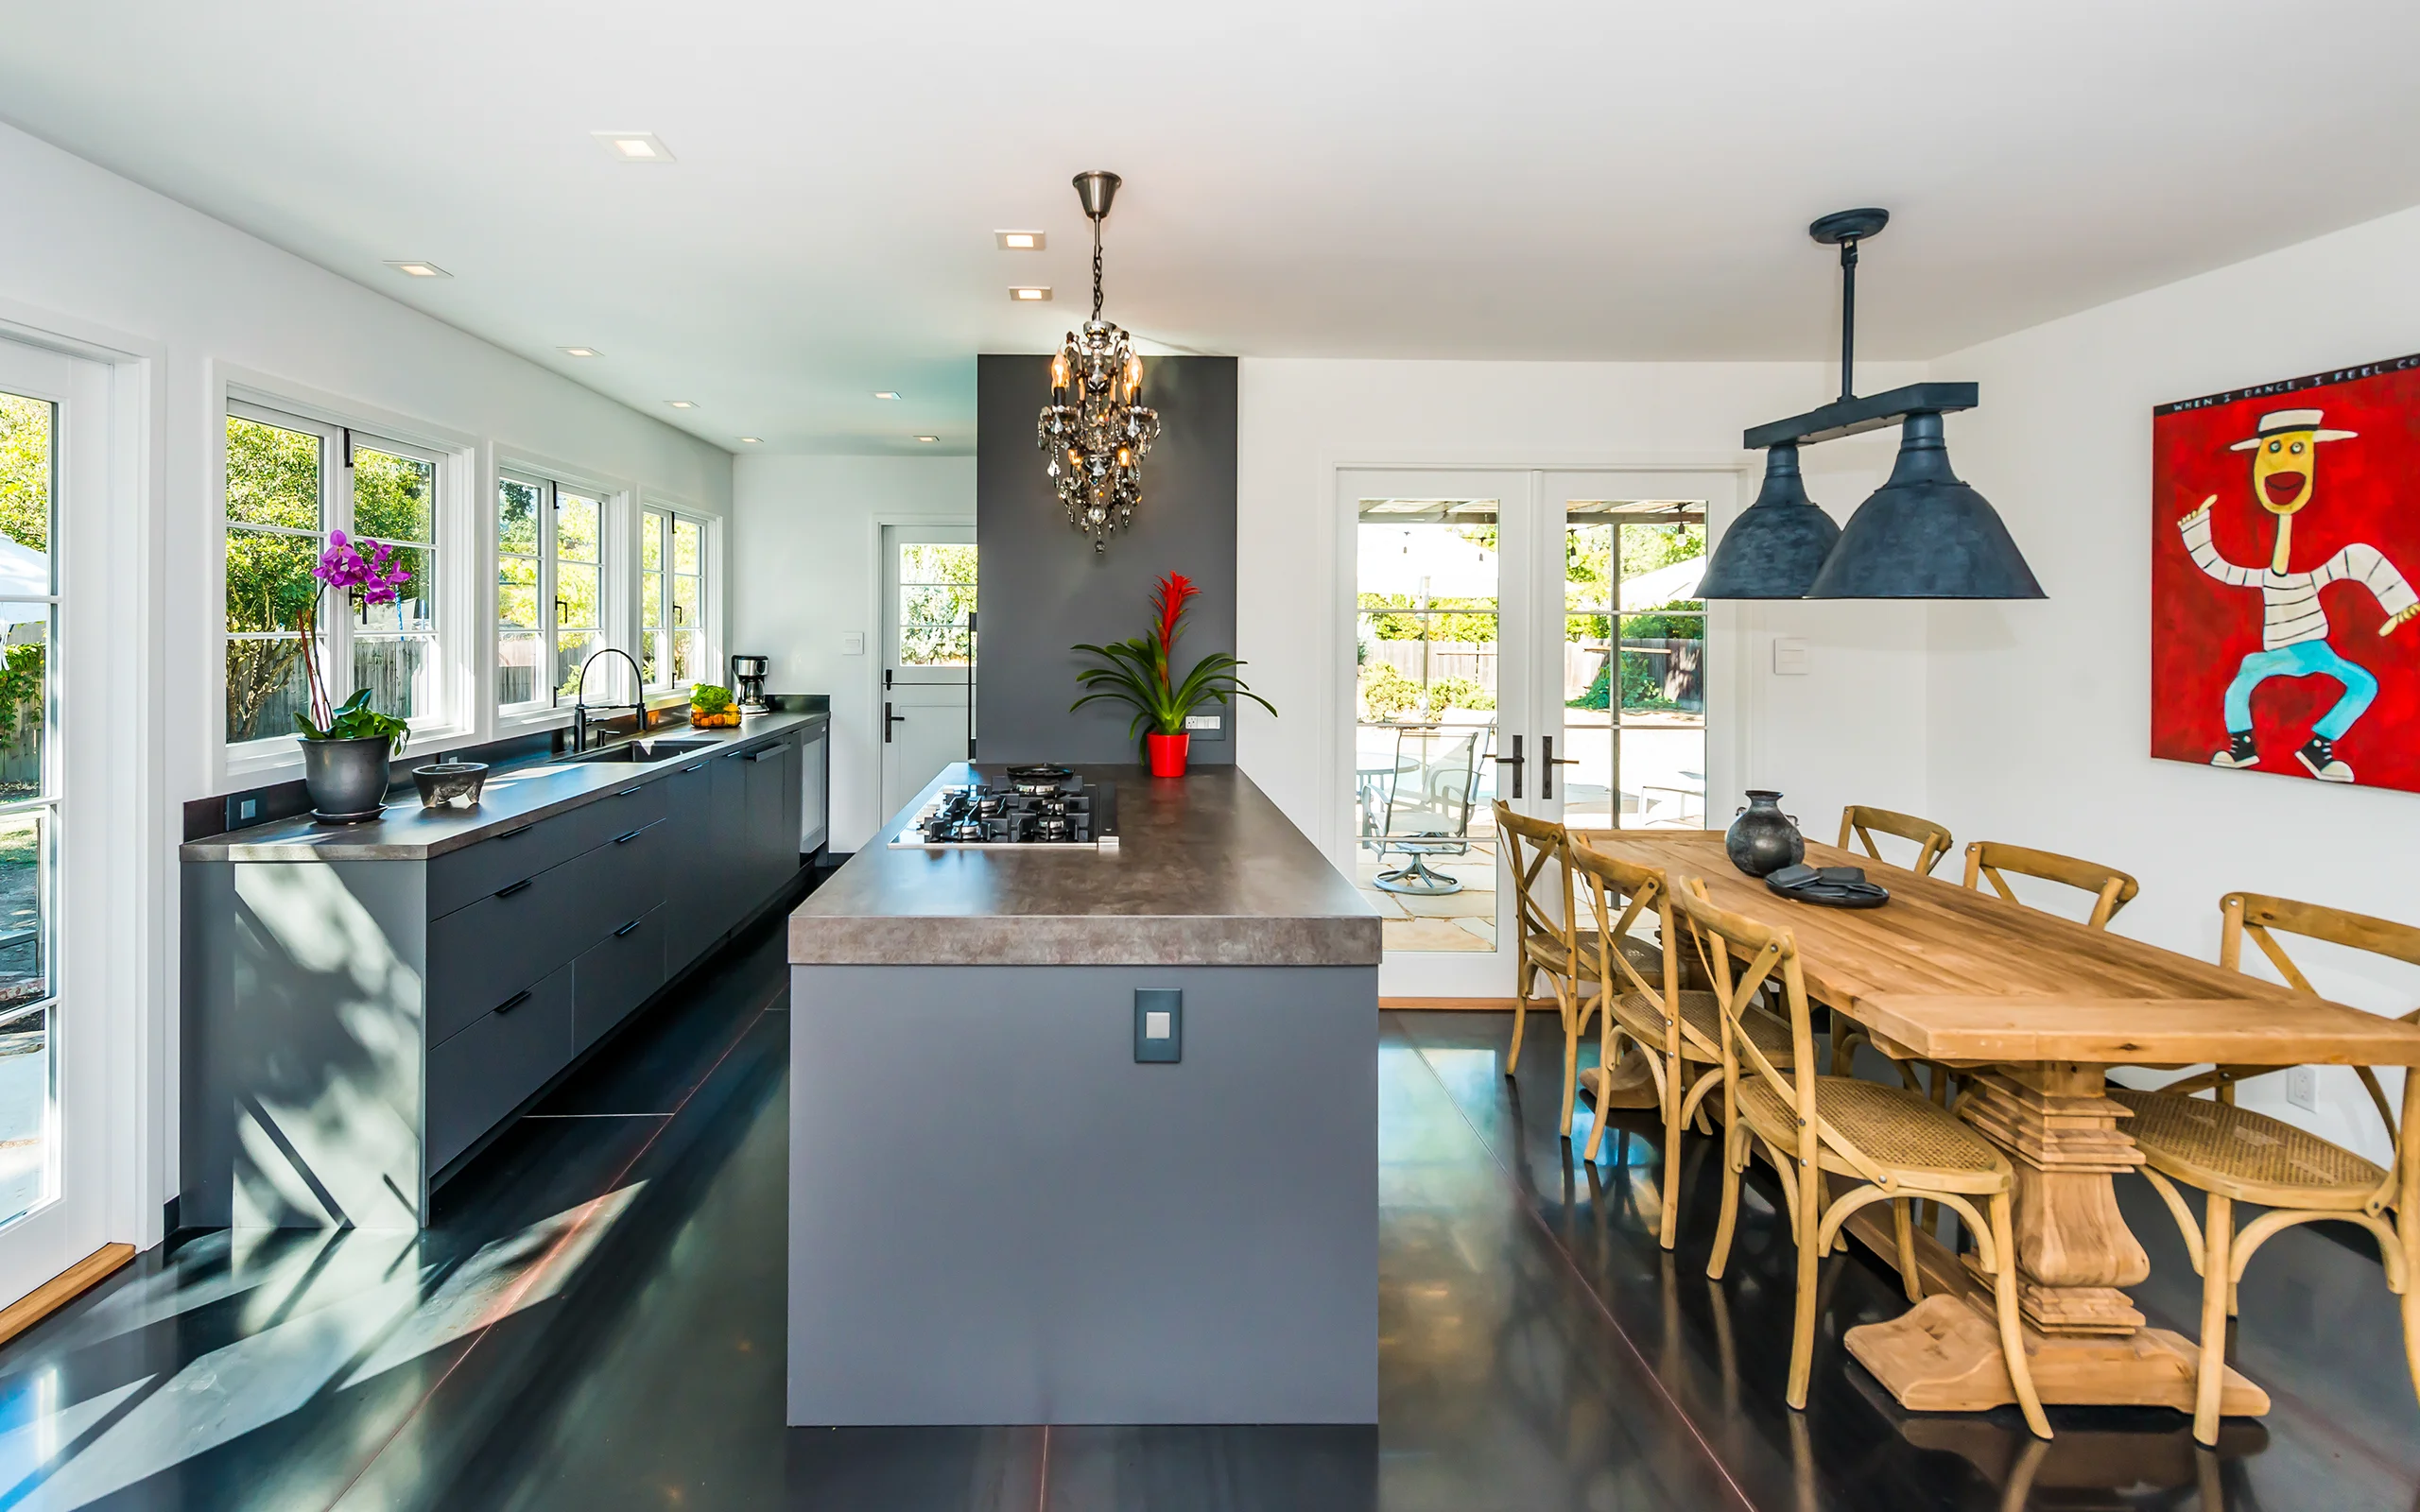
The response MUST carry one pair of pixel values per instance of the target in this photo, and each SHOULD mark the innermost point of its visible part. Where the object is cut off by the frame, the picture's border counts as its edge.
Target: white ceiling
(1311, 178)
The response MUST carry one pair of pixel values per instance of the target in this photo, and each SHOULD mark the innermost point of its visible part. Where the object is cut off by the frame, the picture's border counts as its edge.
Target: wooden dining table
(2033, 1010)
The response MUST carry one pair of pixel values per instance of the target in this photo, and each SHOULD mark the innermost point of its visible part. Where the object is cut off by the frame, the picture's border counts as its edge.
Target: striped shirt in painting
(2289, 601)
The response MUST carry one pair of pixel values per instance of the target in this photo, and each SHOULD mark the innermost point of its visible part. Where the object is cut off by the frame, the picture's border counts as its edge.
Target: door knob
(1517, 760)
(1546, 789)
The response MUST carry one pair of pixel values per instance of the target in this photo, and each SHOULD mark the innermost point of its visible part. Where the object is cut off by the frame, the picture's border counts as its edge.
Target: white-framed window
(675, 577)
(292, 482)
(549, 588)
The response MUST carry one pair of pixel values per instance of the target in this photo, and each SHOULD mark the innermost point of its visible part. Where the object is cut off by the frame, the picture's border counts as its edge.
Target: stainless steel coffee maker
(748, 682)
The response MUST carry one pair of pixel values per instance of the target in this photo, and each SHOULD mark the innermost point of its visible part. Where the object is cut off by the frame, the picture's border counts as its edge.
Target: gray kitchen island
(1087, 1135)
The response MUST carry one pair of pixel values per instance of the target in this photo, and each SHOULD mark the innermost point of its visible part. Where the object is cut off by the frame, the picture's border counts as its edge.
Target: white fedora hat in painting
(2278, 422)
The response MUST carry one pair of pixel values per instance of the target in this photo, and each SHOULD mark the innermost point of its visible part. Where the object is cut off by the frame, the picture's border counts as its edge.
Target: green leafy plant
(1138, 673)
(354, 719)
(708, 699)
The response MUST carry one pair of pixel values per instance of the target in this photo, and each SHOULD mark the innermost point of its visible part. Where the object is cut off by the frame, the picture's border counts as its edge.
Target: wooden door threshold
(62, 1289)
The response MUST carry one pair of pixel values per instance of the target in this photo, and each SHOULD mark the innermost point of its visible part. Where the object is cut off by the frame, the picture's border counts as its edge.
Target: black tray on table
(1827, 887)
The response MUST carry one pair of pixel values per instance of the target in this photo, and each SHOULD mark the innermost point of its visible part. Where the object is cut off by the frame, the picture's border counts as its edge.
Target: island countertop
(1207, 873)
(517, 795)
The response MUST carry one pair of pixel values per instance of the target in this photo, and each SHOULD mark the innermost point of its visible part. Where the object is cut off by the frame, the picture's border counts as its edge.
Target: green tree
(25, 471)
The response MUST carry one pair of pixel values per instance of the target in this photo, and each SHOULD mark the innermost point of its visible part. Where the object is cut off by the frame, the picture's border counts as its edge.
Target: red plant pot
(1167, 753)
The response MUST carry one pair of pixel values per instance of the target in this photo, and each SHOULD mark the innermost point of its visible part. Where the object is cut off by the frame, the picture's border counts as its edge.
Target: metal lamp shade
(1925, 535)
(1777, 544)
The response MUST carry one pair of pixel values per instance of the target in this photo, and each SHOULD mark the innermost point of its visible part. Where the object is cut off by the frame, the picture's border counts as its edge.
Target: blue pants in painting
(2301, 659)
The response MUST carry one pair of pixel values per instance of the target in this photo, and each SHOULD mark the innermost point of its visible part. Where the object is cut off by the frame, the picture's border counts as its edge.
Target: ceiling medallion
(1093, 428)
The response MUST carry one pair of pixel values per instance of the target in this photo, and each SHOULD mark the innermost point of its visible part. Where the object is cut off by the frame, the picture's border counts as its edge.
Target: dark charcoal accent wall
(1043, 588)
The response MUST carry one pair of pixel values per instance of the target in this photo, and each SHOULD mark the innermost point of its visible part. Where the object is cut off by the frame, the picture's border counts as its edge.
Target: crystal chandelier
(1094, 431)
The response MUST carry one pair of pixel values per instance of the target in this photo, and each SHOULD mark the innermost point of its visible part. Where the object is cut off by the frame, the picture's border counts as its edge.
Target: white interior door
(54, 1139)
(929, 647)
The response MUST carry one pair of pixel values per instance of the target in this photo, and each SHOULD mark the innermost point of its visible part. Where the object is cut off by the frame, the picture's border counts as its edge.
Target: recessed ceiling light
(682, 403)
(885, 393)
(754, 440)
(417, 269)
(1020, 241)
(1029, 292)
(580, 351)
(634, 147)
(928, 437)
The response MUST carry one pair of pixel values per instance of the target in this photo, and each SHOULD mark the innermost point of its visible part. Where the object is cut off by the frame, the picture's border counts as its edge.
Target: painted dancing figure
(2293, 625)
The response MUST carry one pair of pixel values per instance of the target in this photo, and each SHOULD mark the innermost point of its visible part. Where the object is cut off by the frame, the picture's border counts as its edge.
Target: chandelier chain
(1096, 270)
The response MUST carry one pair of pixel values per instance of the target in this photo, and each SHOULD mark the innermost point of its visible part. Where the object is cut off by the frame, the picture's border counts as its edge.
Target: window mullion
(336, 514)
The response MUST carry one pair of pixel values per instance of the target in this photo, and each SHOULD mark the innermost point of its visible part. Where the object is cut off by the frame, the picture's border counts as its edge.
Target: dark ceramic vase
(1763, 839)
(346, 777)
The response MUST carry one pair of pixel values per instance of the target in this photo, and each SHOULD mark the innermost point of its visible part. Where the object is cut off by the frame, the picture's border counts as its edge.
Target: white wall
(95, 257)
(809, 530)
(1851, 730)
(2038, 714)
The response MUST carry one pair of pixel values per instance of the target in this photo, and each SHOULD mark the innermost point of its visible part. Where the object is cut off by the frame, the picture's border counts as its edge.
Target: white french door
(55, 1156)
(1527, 635)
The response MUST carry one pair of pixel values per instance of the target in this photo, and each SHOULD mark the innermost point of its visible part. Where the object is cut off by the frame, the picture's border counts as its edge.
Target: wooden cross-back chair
(1858, 823)
(1553, 943)
(2232, 1155)
(2112, 890)
(1890, 1143)
(1683, 1050)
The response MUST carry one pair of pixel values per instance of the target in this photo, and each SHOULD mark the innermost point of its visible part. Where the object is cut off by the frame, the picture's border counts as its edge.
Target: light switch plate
(1159, 1025)
(1791, 658)
(853, 644)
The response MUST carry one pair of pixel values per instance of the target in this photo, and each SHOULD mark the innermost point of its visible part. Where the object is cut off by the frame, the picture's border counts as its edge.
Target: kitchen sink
(639, 752)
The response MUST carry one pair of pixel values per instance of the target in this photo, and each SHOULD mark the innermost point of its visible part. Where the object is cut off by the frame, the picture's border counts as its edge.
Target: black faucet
(580, 698)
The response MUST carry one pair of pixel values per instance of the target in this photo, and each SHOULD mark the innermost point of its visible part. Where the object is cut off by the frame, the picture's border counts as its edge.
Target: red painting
(2284, 544)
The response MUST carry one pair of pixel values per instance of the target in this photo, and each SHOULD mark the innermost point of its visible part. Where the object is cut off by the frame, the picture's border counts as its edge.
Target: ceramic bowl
(441, 783)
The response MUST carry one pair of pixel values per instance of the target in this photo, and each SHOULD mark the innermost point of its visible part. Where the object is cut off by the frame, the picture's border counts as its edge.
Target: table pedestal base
(1944, 1355)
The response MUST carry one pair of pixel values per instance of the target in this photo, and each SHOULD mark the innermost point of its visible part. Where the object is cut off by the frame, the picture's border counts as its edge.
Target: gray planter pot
(346, 776)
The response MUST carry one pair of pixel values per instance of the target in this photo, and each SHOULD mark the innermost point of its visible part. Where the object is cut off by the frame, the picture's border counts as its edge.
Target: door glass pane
(937, 583)
(28, 455)
(1427, 649)
(1634, 704)
(24, 699)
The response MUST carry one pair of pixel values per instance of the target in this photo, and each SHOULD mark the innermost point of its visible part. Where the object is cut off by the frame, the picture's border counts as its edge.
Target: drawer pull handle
(513, 1002)
(625, 792)
(518, 829)
(686, 770)
(627, 928)
(766, 755)
(506, 892)
(625, 840)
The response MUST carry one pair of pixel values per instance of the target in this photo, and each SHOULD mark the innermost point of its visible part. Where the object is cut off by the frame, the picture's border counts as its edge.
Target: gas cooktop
(1031, 807)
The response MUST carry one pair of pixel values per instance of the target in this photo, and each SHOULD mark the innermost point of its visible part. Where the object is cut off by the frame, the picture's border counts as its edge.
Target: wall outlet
(2302, 1088)
(1791, 657)
(1159, 1025)
(853, 644)
(1194, 722)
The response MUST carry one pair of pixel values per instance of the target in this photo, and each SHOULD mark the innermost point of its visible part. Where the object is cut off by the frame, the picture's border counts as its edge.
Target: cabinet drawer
(617, 974)
(481, 1073)
(461, 878)
(481, 954)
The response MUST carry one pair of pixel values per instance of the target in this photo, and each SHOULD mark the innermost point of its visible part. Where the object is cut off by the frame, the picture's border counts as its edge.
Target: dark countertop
(1208, 873)
(512, 796)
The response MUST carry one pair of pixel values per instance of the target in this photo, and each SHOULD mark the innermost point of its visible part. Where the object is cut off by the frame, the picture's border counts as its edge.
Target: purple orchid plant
(374, 579)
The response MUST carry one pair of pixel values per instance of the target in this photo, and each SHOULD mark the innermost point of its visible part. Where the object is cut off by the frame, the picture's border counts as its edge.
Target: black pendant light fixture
(1924, 534)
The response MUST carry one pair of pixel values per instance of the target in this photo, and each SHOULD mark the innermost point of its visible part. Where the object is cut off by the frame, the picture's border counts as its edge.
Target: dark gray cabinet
(360, 1025)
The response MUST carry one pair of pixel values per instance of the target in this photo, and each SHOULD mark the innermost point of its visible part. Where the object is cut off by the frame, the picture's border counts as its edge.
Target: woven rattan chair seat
(1895, 1129)
(1548, 951)
(2243, 1155)
(1702, 1014)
